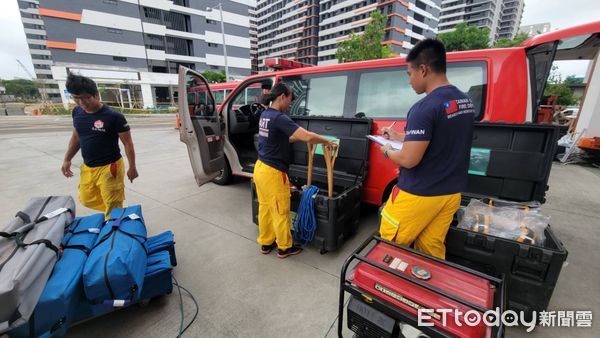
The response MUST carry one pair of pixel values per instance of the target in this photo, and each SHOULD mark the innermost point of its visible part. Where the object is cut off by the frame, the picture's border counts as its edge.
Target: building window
(176, 21)
(119, 58)
(421, 5)
(419, 17)
(211, 22)
(210, 44)
(179, 46)
(155, 42)
(152, 15)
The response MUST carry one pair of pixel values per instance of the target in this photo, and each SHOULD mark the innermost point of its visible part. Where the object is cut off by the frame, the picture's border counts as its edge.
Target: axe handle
(311, 155)
(330, 156)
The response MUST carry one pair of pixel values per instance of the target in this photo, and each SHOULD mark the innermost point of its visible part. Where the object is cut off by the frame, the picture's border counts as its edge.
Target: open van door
(575, 43)
(201, 126)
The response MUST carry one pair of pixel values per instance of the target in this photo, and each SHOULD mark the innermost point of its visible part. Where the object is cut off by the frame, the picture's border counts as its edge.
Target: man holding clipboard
(434, 157)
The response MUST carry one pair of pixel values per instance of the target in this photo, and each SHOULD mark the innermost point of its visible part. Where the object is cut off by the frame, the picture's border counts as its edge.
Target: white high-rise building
(309, 31)
(501, 17)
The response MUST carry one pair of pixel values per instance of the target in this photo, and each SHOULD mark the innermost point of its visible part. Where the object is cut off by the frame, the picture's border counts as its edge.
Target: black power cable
(179, 288)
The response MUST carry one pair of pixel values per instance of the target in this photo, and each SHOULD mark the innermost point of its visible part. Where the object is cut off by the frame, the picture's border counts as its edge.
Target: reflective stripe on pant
(100, 190)
(273, 190)
(424, 220)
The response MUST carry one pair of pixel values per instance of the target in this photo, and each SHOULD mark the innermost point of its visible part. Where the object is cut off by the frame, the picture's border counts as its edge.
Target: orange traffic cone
(177, 123)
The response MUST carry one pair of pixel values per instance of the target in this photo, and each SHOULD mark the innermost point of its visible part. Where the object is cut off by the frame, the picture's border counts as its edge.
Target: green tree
(505, 43)
(366, 46)
(564, 94)
(573, 80)
(555, 86)
(213, 77)
(21, 88)
(465, 37)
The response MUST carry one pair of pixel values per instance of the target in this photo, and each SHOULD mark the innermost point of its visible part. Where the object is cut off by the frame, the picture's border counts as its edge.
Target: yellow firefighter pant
(100, 190)
(273, 190)
(424, 220)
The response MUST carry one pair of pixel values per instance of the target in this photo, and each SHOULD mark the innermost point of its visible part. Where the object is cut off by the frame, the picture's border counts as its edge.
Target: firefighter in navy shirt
(97, 130)
(434, 159)
(276, 132)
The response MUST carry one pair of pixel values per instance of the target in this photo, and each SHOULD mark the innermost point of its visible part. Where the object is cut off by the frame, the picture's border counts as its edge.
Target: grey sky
(560, 14)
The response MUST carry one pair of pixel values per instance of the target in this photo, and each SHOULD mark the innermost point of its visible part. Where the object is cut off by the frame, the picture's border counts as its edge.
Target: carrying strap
(72, 231)
(116, 227)
(19, 237)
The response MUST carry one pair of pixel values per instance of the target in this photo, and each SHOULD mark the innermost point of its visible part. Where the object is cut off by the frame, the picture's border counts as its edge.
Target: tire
(225, 177)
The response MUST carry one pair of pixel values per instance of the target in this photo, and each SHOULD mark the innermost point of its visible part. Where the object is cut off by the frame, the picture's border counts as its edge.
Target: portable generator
(391, 283)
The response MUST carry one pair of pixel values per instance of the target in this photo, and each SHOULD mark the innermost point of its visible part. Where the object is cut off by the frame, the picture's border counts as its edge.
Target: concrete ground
(239, 291)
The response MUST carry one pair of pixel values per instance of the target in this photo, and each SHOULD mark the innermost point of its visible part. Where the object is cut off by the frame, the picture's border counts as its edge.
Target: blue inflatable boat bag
(56, 308)
(114, 271)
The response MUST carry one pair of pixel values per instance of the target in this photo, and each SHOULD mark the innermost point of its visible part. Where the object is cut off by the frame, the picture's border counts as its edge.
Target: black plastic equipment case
(520, 162)
(337, 217)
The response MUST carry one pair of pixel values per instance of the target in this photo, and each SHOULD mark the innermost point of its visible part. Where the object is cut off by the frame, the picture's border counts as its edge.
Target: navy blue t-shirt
(275, 129)
(445, 119)
(99, 135)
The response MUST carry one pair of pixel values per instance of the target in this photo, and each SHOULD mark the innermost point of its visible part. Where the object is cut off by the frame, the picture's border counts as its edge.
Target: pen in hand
(385, 133)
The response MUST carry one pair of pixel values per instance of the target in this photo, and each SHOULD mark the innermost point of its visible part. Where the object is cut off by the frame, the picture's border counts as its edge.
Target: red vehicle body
(505, 84)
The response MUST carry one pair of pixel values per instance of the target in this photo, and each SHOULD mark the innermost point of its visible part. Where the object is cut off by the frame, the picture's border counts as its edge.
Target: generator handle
(343, 281)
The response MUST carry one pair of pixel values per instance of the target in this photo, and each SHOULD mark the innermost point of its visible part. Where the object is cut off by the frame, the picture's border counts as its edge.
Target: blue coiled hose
(306, 221)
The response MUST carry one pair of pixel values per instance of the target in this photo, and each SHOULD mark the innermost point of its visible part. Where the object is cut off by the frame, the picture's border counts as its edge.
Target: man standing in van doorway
(97, 129)
(434, 159)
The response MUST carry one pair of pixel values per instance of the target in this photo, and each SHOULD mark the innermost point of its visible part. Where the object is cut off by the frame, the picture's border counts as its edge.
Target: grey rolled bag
(29, 248)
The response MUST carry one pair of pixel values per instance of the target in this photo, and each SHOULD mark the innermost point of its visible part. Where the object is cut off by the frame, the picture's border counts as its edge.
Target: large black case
(337, 217)
(519, 168)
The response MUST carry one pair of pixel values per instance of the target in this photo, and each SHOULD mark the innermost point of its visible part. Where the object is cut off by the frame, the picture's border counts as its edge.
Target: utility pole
(220, 6)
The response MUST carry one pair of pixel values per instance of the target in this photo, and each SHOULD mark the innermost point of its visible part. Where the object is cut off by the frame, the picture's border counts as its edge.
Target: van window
(191, 98)
(219, 96)
(318, 95)
(253, 94)
(385, 93)
(471, 78)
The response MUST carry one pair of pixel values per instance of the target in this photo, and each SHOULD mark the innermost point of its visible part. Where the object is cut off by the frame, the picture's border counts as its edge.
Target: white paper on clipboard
(383, 141)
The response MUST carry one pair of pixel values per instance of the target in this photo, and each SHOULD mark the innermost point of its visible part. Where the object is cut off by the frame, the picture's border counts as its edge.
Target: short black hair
(430, 52)
(77, 85)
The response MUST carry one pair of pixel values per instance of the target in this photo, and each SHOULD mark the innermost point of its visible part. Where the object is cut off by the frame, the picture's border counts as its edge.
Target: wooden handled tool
(330, 153)
(311, 155)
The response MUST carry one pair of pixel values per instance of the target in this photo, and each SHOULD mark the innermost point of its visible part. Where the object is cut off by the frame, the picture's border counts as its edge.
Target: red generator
(391, 283)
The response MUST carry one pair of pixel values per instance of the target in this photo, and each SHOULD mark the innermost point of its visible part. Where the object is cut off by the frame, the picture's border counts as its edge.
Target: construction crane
(41, 86)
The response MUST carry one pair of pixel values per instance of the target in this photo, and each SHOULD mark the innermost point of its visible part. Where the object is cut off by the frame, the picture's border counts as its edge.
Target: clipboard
(383, 141)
